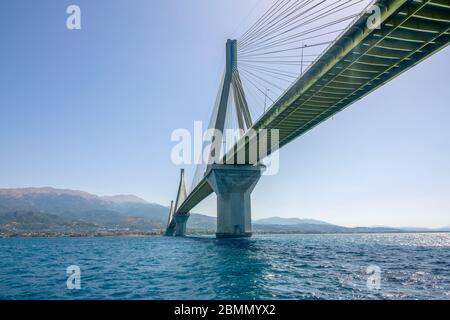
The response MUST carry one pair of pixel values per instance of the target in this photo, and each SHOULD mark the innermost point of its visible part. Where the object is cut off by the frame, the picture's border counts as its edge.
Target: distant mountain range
(49, 211)
(56, 211)
(289, 221)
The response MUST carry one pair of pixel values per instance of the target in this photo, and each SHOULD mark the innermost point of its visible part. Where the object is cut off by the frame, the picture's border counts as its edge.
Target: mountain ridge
(288, 221)
(64, 211)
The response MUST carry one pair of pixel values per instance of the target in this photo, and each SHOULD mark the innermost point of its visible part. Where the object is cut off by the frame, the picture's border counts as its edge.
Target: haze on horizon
(93, 110)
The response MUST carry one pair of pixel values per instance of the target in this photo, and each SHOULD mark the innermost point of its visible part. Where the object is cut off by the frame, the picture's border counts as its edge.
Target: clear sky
(93, 109)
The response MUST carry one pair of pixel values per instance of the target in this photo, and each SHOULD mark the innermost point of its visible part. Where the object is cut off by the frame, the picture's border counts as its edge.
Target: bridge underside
(360, 61)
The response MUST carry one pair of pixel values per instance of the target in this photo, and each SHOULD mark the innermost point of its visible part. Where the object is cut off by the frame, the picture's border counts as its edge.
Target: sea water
(344, 266)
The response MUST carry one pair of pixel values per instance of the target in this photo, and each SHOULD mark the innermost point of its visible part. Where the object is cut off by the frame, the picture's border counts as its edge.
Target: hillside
(56, 210)
(52, 211)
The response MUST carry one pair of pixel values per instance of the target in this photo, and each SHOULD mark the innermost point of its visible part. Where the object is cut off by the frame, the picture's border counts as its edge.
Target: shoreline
(160, 234)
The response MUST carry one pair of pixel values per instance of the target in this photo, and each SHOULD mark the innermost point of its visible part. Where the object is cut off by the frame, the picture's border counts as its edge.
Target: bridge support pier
(170, 232)
(233, 185)
(180, 226)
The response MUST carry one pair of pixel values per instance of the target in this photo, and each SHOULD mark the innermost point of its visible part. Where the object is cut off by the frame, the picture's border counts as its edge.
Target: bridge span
(360, 60)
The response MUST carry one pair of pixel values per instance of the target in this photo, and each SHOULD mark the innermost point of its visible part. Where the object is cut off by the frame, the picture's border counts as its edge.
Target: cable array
(274, 52)
(285, 41)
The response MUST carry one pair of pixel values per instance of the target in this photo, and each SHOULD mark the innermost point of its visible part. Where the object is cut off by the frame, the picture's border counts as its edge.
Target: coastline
(161, 233)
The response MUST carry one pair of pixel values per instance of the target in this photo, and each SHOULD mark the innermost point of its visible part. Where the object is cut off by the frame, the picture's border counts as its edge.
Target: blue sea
(410, 266)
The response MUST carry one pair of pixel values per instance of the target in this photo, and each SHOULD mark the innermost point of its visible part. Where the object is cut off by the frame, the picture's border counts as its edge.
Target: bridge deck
(360, 61)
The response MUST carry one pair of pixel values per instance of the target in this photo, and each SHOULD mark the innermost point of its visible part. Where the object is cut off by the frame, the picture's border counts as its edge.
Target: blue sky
(94, 109)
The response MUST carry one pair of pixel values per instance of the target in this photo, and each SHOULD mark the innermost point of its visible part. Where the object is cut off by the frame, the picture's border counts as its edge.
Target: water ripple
(413, 266)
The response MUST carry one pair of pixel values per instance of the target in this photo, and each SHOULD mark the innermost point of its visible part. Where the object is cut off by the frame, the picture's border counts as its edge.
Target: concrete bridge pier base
(233, 185)
(180, 226)
(170, 232)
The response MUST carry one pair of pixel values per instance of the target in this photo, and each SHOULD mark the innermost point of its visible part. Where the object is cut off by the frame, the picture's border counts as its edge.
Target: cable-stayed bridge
(301, 63)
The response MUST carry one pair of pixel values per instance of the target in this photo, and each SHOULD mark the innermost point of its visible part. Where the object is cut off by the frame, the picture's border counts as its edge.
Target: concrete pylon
(170, 230)
(182, 192)
(233, 185)
(180, 224)
(231, 80)
(176, 223)
(181, 217)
